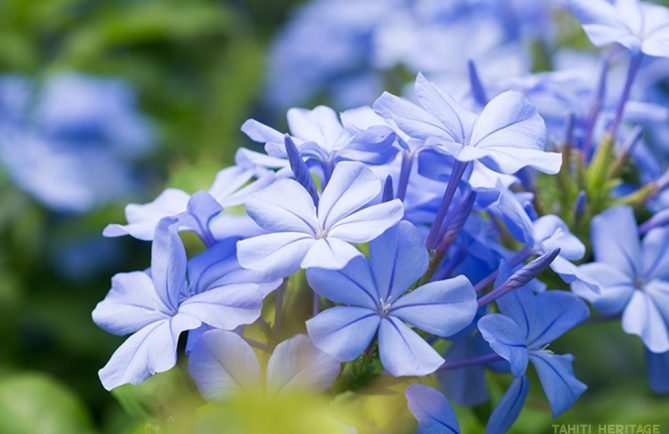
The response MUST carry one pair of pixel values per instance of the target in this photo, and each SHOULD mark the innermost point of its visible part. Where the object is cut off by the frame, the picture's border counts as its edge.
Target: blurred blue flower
(223, 363)
(71, 141)
(432, 410)
(633, 275)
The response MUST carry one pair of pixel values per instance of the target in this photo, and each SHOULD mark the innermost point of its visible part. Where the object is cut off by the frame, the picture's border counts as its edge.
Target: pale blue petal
(513, 134)
(226, 307)
(508, 408)
(398, 259)
(297, 364)
(367, 224)
(655, 248)
(222, 363)
(603, 24)
(351, 187)
(330, 253)
(168, 263)
(143, 219)
(553, 233)
(403, 352)
(147, 352)
(506, 338)
(131, 304)
(615, 240)
(261, 133)
(353, 284)
(557, 378)
(343, 332)
(616, 287)
(278, 254)
(643, 318)
(557, 312)
(442, 308)
(432, 410)
(284, 206)
(413, 120)
(454, 119)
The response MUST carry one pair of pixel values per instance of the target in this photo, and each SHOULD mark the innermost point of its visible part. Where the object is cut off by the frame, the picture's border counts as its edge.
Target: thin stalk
(635, 63)
(516, 259)
(456, 175)
(405, 174)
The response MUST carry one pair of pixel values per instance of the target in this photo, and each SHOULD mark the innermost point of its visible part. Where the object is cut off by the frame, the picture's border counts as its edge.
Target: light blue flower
(222, 363)
(526, 324)
(173, 296)
(303, 235)
(638, 26)
(633, 275)
(432, 410)
(374, 301)
(508, 135)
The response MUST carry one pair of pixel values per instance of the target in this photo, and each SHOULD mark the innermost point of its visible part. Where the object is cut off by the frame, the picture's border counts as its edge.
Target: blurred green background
(198, 68)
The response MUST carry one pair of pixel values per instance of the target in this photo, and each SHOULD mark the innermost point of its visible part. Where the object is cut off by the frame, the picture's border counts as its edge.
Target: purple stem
(635, 62)
(405, 173)
(595, 109)
(456, 175)
(479, 360)
(516, 259)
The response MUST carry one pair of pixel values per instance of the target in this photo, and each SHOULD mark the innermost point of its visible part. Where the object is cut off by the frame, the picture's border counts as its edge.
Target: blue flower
(195, 213)
(71, 143)
(375, 301)
(432, 410)
(508, 135)
(633, 275)
(303, 235)
(526, 324)
(319, 135)
(222, 363)
(636, 25)
(174, 296)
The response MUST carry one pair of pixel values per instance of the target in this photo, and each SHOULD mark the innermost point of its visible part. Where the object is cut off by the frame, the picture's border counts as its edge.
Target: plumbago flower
(508, 135)
(321, 137)
(230, 188)
(638, 26)
(302, 234)
(174, 296)
(223, 363)
(633, 275)
(374, 299)
(526, 324)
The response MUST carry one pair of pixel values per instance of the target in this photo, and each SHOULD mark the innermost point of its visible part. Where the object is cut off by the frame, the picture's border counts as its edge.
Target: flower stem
(516, 259)
(456, 175)
(635, 62)
(479, 360)
(405, 173)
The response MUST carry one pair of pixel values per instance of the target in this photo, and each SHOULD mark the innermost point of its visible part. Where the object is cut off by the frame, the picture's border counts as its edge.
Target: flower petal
(343, 332)
(330, 253)
(226, 307)
(131, 304)
(367, 224)
(508, 408)
(615, 240)
(398, 258)
(147, 352)
(506, 339)
(403, 352)
(643, 318)
(284, 206)
(168, 263)
(352, 284)
(222, 363)
(297, 364)
(442, 308)
(557, 378)
(351, 187)
(432, 410)
(278, 254)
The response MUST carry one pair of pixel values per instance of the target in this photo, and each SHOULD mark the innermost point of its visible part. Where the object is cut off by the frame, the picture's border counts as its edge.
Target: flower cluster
(65, 148)
(441, 236)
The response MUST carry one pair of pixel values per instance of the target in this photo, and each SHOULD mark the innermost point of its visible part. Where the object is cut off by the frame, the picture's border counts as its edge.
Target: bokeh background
(108, 102)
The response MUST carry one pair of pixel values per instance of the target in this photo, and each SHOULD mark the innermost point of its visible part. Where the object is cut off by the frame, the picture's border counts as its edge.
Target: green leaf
(32, 403)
